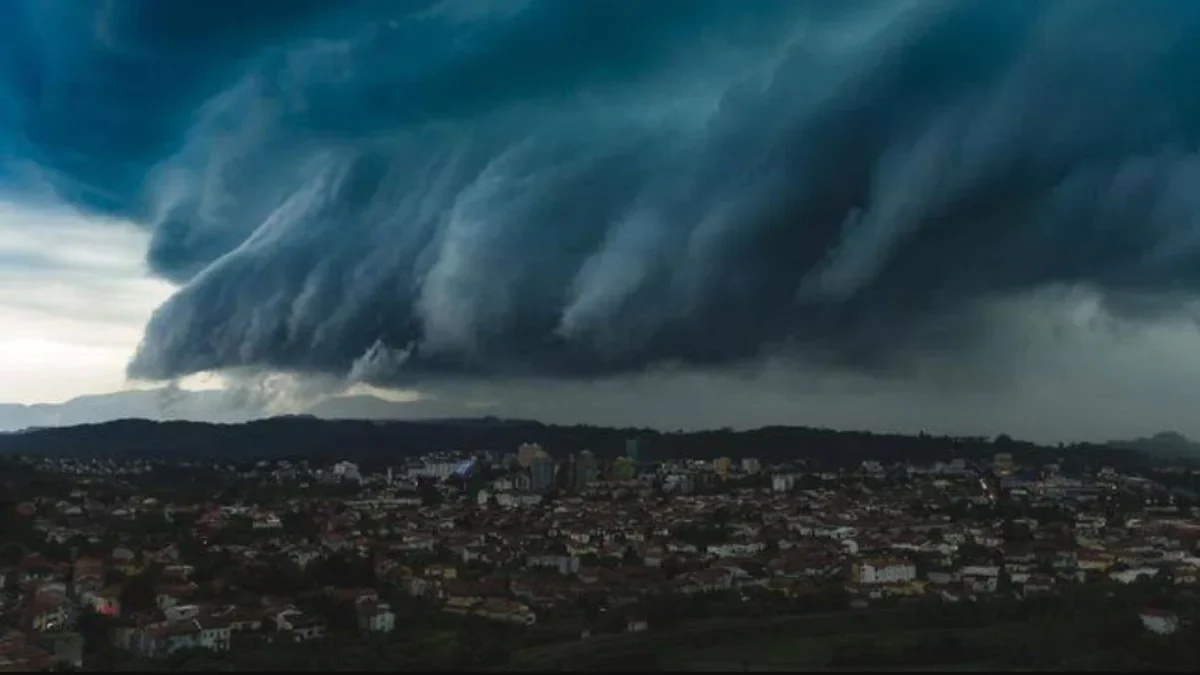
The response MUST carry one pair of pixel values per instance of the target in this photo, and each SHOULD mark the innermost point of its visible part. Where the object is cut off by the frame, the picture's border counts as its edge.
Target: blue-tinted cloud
(569, 188)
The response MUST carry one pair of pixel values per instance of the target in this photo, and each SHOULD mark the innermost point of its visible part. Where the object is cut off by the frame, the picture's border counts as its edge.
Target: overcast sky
(966, 216)
(74, 297)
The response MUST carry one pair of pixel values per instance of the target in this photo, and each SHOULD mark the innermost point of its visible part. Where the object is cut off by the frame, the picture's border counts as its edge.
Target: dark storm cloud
(563, 188)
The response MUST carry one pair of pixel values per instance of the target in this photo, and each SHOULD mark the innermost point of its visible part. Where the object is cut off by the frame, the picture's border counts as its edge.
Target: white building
(872, 467)
(1160, 622)
(104, 601)
(167, 637)
(214, 635)
(751, 465)
(267, 521)
(181, 612)
(736, 549)
(563, 564)
(438, 470)
(376, 617)
(679, 482)
(981, 578)
(1131, 575)
(346, 471)
(884, 571)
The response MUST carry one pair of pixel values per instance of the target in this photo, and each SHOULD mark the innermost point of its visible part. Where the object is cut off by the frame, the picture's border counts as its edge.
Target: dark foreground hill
(376, 441)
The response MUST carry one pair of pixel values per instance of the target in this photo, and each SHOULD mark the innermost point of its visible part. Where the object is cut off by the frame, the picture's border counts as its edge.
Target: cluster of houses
(875, 531)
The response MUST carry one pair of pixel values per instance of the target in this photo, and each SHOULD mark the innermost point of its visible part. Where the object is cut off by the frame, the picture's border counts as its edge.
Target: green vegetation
(1081, 632)
(1085, 629)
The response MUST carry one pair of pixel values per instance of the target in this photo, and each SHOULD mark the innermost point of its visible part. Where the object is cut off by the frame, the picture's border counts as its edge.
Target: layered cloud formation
(390, 191)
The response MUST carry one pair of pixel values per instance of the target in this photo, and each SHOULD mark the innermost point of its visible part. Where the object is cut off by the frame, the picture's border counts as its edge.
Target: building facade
(541, 473)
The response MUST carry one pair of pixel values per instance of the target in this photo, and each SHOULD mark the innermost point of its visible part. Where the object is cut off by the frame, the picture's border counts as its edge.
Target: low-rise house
(419, 588)
(940, 578)
(245, 619)
(1159, 621)
(706, 580)
(461, 604)
(170, 595)
(106, 601)
(563, 564)
(980, 578)
(1093, 560)
(1038, 583)
(499, 609)
(18, 655)
(162, 639)
(265, 520)
(299, 626)
(181, 612)
(215, 633)
(51, 591)
(1131, 575)
(51, 616)
(736, 549)
(883, 571)
(177, 573)
(375, 616)
(67, 648)
(88, 572)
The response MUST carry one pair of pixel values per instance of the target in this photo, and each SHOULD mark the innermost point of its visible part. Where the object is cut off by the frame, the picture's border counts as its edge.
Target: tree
(973, 553)
(300, 524)
(631, 557)
(671, 566)
(93, 627)
(771, 548)
(341, 569)
(11, 552)
(429, 493)
(590, 605)
(113, 576)
(1016, 533)
(138, 594)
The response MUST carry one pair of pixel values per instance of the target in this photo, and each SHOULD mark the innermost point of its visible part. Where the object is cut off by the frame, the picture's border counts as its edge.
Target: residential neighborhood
(149, 559)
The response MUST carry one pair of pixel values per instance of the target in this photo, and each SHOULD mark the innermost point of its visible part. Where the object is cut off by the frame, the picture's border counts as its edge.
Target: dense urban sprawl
(106, 562)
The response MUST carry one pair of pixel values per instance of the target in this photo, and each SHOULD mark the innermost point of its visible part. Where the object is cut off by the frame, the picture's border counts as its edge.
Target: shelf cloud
(413, 193)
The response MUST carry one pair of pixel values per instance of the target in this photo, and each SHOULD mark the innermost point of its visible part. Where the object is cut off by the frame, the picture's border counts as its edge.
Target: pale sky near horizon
(74, 296)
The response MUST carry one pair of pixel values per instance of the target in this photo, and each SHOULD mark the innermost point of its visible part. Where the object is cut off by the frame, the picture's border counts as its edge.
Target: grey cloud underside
(566, 188)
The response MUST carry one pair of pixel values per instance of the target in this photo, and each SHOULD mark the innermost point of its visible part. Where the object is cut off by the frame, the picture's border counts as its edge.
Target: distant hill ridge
(201, 406)
(1162, 444)
(376, 442)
